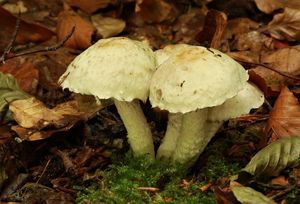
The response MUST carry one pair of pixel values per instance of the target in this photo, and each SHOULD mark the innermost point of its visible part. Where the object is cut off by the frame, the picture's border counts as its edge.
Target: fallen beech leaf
(275, 157)
(284, 60)
(189, 25)
(108, 27)
(253, 41)
(82, 36)
(223, 196)
(9, 91)
(247, 195)
(268, 6)
(155, 11)
(16, 8)
(286, 25)
(90, 6)
(28, 32)
(32, 113)
(25, 73)
(284, 118)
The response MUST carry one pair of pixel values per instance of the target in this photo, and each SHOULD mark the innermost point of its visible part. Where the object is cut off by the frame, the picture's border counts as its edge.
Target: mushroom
(121, 69)
(168, 145)
(189, 82)
(248, 98)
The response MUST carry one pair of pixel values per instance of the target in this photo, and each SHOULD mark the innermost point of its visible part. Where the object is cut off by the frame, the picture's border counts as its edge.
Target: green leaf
(247, 195)
(271, 160)
(9, 91)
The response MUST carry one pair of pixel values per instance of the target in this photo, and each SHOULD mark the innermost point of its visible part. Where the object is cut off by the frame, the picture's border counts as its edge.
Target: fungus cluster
(200, 87)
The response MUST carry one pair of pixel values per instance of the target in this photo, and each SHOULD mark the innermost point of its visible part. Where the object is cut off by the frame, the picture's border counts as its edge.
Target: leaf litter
(59, 147)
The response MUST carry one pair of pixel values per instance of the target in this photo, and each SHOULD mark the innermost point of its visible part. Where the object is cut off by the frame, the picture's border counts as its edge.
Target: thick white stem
(139, 133)
(192, 137)
(168, 145)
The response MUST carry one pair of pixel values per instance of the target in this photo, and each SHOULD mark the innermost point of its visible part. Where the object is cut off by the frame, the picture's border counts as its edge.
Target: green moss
(120, 185)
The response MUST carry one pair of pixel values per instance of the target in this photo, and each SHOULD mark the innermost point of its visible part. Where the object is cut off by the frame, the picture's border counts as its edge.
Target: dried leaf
(82, 36)
(108, 27)
(247, 195)
(271, 160)
(25, 73)
(268, 6)
(9, 91)
(32, 113)
(286, 25)
(284, 60)
(155, 11)
(28, 32)
(284, 118)
(90, 6)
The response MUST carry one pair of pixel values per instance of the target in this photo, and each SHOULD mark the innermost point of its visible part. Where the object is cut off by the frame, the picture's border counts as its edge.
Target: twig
(12, 41)
(44, 170)
(149, 189)
(270, 68)
(45, 49)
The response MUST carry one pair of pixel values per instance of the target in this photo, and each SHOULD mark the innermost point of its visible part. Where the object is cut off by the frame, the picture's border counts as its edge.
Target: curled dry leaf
(25, 73)
(90, 6)
(285, 60)
(106, 26)
(32, 113)
(284, 118)
(28, 32)
(268, 6)
(286, 25)
(82, 36)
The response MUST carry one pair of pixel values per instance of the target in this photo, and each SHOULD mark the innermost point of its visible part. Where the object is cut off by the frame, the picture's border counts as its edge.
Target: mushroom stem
(168, 145)
(192, 139)
(139, 133)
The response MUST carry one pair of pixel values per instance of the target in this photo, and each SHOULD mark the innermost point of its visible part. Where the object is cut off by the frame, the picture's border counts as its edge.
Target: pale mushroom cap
(196, 77)
(118, 68)
(249, 97)
(163, 54)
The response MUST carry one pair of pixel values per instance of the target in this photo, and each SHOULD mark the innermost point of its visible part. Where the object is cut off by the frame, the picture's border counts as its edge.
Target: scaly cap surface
(196, 77)
(117, 67)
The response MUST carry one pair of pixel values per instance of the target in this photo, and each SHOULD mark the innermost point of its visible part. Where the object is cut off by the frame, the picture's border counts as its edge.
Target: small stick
(46, 49)
(149, 189)
(12, 41)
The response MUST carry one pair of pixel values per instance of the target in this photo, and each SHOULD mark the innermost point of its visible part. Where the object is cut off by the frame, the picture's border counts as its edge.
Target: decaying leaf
(247, 195)
(9, 91)
(25, 73)
(286, 25)
(106, 26)
(82, 36)
(271, 160)
(285, 60)
(32, 113)
(90, 6)
(268, 6)
(284, 118)
(155, 11)
(28, 32)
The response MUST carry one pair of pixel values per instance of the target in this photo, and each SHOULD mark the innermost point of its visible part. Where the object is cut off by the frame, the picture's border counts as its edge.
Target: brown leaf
(25, 73)
(284, 118)
(284, 60)
(32, 116)
(106, 26)
(32, 113)
(224, 196)
(286, 25)
(268, 6)
(155, 11)
(28, 32)
(82, 36)
(90, 6)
